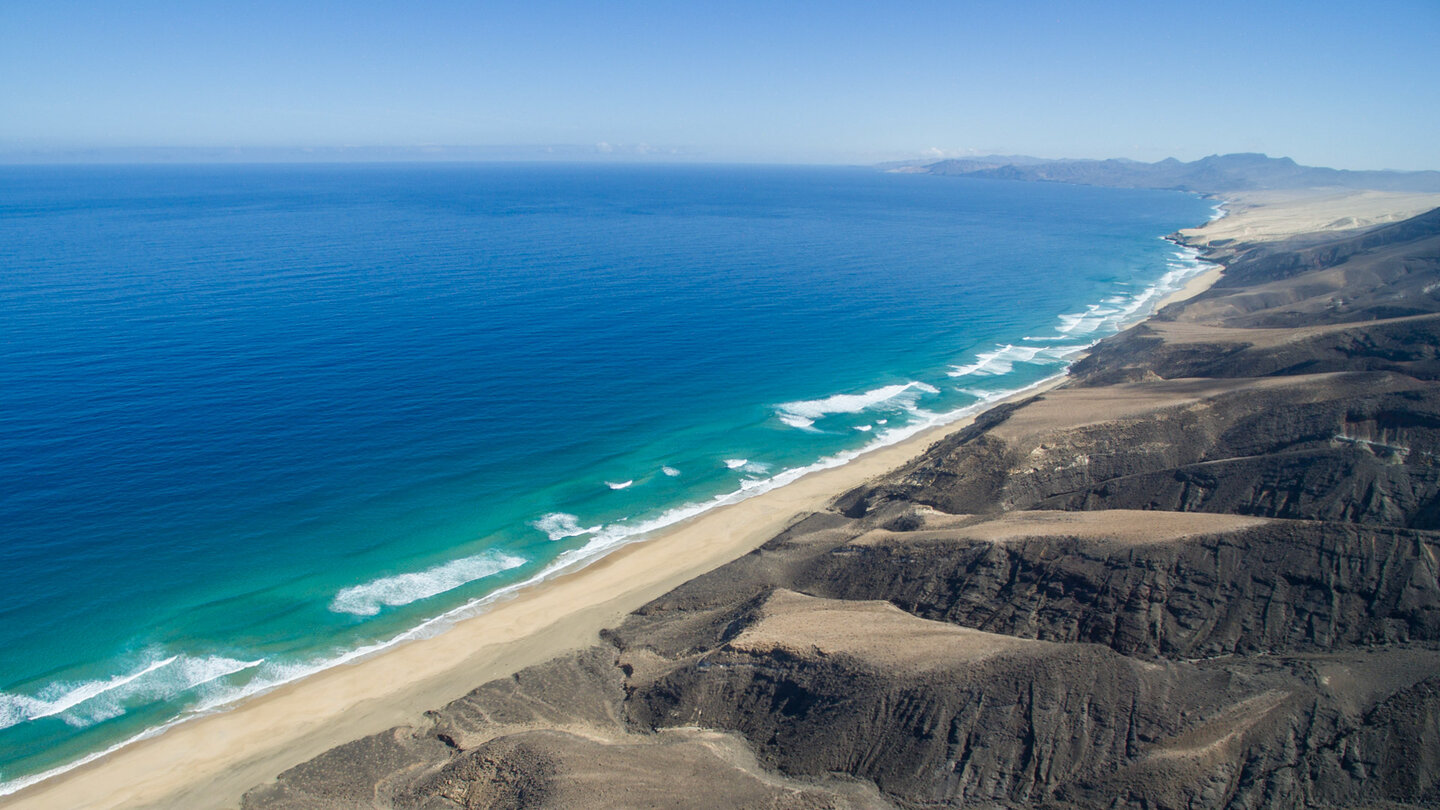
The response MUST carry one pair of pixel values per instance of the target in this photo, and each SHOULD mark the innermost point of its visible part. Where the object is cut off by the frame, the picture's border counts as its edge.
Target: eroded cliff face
(1352, 447)
(1277, 586)
(1203, 574)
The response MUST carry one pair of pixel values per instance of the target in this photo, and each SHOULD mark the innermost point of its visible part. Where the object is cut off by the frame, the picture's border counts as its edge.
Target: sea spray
(402, 589)
(560, 525)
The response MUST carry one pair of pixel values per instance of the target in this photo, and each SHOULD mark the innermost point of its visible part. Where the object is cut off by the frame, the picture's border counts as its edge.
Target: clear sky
(1350, 85)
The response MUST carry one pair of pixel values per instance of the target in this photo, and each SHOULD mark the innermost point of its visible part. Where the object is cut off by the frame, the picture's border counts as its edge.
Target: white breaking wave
(1083, 323)
(619, 484)
(16, 709)
(200, 671)
(402, 589)
(560, 525)
(864, 428)
(748, 466)
(189, 672)
(1004, 358)
(1118, 311)
(803, 413)
(670, 471)
(273, 674)
(1000, 361)
(89, 702)
(72, 695)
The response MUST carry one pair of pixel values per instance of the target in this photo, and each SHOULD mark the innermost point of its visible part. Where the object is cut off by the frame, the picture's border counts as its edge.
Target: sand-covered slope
(1202, 574)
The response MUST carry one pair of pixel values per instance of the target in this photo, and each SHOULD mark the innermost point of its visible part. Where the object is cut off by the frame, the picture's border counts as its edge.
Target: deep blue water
(255, 418)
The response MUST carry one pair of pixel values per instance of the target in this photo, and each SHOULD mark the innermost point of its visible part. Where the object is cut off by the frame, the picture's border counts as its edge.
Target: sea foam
(1003, 359)
(560, 525)
(85, 703)
(402, 589)
(902, 396)
(748, 466)
(1115, 312)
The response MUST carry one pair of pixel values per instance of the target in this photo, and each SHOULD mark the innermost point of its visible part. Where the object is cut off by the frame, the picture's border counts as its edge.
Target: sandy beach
(210, 762)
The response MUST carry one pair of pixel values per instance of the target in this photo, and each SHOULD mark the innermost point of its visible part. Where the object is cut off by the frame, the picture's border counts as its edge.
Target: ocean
(256, 421)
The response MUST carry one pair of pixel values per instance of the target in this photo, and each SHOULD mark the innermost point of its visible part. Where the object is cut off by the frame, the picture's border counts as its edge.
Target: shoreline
(1192, 287)
(209, 761)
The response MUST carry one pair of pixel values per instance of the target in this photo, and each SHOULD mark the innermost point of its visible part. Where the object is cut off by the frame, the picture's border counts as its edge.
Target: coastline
(1193, 286)
(210, 761)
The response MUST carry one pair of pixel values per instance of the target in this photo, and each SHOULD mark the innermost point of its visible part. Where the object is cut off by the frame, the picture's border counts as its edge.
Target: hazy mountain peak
(1242, 171)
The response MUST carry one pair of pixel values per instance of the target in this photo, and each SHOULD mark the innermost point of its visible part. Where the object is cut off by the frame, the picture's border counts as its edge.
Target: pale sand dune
(209, 763)
(1263, 216)
(1188, 332)
(1119, 526)
(877, 633)
(1069, 408)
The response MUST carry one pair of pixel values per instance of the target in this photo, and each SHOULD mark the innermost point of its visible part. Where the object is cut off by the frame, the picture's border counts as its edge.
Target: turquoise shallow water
(256, 420)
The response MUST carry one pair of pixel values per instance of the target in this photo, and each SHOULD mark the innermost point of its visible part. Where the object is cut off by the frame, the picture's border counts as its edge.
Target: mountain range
(1208, 175)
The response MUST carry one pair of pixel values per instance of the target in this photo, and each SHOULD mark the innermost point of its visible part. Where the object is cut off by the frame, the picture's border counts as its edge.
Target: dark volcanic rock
(1272, 587)
(961, 717)
(1319, 448)
(1408, 346)
(990, 719)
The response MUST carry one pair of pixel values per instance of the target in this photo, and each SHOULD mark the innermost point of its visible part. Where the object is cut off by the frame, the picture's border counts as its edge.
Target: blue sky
(1348, 85)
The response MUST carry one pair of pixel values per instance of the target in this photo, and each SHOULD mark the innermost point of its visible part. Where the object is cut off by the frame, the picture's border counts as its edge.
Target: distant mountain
(1213, 174)
(962, 165)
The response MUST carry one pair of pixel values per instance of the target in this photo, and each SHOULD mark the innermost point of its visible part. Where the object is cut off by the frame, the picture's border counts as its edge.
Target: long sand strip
(210, 762)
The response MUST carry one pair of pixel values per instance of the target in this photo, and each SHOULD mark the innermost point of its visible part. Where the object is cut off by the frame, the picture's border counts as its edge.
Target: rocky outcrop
(930, 712)
(1270, 586)
(1407, 346)
(1358, 448)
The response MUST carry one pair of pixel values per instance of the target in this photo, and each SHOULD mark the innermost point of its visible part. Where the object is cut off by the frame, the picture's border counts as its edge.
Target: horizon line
(600, 153)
